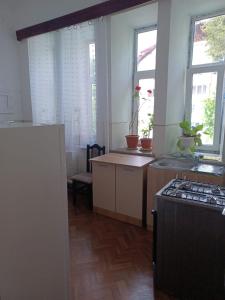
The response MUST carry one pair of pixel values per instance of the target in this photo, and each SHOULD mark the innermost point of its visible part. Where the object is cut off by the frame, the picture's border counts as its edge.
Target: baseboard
(118, 216)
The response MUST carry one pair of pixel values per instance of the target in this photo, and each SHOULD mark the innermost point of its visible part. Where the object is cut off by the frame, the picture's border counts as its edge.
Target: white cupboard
(34, 255)
(119, 186)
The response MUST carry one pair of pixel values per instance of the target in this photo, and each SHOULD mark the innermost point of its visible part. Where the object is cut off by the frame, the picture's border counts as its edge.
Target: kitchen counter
(124, 160)
(189, 165)
(207, 168)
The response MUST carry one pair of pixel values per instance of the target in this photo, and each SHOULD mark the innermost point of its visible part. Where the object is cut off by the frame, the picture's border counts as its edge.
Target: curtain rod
(86, 14)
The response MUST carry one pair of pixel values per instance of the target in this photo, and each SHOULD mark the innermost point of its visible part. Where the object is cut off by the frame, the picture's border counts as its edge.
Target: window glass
(92, 59)
(204, 104)
(146, 50)
(209, 41)
(146, 104)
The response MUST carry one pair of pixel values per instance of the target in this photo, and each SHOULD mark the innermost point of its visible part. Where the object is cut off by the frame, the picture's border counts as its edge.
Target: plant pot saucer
(132, 148)
(145, 149)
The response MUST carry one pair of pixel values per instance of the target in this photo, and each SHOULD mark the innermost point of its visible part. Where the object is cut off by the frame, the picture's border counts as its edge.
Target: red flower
(137, 88)
(149, 92)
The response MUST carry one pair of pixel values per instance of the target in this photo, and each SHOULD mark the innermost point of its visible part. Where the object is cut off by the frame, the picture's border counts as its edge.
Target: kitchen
(124, 181)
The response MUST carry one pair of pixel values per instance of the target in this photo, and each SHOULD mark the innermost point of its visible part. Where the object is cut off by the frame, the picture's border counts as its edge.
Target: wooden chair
(83, 181)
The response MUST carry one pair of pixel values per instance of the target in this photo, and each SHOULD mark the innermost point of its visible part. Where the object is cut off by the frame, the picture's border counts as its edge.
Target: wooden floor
(110, 259)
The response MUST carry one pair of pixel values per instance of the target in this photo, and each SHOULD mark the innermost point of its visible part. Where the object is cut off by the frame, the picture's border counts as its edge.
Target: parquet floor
(110, 260)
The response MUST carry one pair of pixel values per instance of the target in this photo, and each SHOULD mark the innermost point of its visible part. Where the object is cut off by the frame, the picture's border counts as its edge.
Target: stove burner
(212, 200)
(217, 191)
(197, 192)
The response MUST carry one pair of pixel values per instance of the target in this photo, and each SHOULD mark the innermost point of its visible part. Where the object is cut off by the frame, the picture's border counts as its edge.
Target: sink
(170, 163)
(188, 164)
(207, 168)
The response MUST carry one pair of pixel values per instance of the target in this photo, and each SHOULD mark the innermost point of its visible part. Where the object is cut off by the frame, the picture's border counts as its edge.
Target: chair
(83, 181)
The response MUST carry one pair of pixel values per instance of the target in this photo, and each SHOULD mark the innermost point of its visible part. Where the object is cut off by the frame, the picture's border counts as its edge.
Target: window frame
(138, 75)
(219, 68)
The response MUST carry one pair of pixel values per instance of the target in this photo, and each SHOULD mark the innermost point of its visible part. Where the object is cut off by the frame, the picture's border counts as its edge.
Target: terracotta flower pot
(132, 141)
(146, 143)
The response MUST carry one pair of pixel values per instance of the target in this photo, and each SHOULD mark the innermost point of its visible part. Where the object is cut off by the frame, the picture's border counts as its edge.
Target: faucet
(196, 158)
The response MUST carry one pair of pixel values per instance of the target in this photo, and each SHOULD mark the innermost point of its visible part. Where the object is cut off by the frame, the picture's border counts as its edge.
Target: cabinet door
(129, 191)
(104, 186)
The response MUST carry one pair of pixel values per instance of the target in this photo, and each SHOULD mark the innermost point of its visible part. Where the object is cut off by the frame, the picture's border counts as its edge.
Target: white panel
(104, 186)
(33, 214)
(129, 191)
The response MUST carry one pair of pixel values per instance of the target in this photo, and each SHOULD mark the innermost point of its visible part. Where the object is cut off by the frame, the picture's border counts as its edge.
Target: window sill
(132, 152)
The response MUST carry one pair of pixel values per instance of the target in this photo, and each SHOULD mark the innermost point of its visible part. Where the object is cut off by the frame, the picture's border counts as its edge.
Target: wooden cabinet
(158, 178)
(119, 187)
(104, 186)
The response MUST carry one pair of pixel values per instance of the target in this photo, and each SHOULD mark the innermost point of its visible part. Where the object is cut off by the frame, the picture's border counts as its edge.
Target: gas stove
(211, 195)
(189, 240)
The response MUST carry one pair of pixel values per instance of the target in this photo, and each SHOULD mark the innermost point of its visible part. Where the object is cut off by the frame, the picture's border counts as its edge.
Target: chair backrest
(93, 151)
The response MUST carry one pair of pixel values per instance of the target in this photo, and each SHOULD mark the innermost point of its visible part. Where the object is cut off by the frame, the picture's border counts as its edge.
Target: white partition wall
(34, 255)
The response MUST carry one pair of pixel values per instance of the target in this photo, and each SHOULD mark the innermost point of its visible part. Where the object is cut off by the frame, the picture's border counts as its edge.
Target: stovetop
(211, 195)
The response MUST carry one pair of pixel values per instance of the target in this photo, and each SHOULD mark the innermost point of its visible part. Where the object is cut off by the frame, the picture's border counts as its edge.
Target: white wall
(10, 75)
(31, 12)
(122, 46)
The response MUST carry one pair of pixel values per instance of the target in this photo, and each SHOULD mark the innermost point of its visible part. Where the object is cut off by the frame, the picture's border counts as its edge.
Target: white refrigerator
(34, 251)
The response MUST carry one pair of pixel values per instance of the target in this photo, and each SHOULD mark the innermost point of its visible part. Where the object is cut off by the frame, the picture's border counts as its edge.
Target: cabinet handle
(103, 165)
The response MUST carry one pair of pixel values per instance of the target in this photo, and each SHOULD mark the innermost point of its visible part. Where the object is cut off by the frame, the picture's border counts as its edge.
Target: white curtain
(63, 85)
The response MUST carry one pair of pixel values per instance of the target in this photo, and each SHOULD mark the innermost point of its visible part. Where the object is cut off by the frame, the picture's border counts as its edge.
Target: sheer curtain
(63, 85)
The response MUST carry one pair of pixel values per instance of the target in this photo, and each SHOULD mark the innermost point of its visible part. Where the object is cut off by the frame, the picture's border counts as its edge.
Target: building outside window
(205, 78)
(144, 73)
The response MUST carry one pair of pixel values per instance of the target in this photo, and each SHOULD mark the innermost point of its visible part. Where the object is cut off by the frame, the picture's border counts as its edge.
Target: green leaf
(180, 145)
(198, 128)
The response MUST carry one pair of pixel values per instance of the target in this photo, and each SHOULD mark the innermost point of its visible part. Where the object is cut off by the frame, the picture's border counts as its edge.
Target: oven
(189, 240)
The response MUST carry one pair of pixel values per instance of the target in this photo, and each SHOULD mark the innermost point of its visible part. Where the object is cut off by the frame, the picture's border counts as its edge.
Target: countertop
(124, 159)
(170, 163)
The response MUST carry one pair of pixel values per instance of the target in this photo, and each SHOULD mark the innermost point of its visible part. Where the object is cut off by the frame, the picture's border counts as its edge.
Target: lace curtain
(63, 85)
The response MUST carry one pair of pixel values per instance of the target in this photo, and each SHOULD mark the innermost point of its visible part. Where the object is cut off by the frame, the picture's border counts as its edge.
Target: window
(205, 78)
(63, 82)
(144, 73)
(93, 84)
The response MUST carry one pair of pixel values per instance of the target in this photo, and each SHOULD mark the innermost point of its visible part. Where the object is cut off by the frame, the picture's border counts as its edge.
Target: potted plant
(191, 137)
(132, 138)
(146, 141)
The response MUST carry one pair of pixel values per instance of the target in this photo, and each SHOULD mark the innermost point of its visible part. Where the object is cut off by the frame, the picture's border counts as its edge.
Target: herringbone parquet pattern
(110, 260)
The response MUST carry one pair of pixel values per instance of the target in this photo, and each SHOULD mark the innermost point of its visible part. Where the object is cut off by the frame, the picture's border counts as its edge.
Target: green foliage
(215, 36)
(180, 145)
(209, 115)
(146, 131)
(190, 131)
